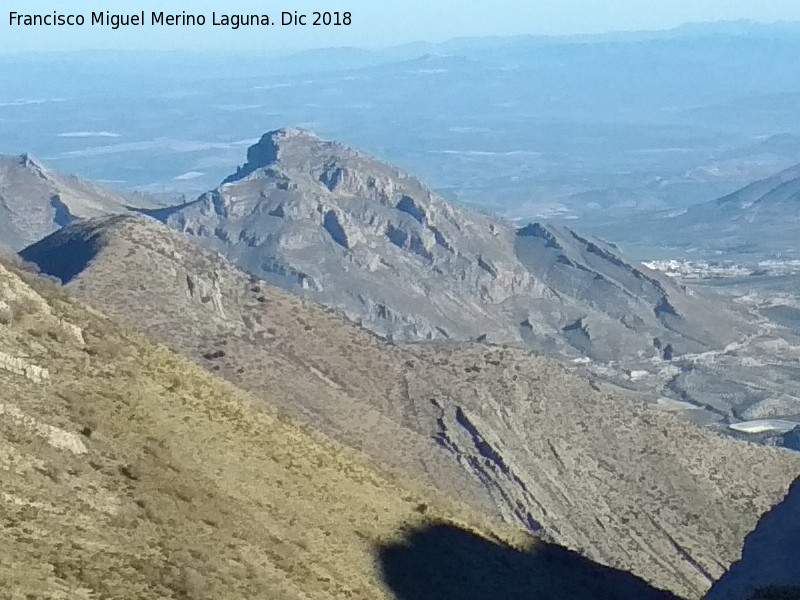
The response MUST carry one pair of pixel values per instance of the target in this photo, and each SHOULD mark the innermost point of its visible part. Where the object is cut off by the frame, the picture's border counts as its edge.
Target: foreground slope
(35, 201)
(502, 429)
(127, 472)
(346, 230)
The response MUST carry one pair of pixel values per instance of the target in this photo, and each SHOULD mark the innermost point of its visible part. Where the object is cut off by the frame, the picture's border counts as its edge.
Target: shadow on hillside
(770, 556)
(64, 254)
(442, 562)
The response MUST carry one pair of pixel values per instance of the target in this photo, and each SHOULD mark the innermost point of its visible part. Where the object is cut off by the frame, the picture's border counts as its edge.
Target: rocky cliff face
(341, 228)
(504, 430)
(35, 201)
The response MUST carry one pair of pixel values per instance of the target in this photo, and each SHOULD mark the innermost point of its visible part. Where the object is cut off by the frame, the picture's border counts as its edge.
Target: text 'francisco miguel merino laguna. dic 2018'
(182, 19)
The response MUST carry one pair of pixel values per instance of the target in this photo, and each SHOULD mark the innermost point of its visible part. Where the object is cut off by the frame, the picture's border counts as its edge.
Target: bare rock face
(35, 201)
(341, 228)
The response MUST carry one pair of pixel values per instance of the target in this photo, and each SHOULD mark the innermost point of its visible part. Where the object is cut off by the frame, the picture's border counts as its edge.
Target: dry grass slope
(127, 472)
(605, 476)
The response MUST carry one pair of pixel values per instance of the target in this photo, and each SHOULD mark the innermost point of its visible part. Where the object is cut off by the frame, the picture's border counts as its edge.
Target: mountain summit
(342, 228)
(35, 201)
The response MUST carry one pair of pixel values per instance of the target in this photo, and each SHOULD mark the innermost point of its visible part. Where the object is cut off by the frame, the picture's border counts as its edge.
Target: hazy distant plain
(591, 128)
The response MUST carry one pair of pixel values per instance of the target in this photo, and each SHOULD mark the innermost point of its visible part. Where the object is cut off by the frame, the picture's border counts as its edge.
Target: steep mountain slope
(771, 555)
(501, 429)
(341, 228)
(756, 222)
(35, 201)
(127, 472)
(779, 191)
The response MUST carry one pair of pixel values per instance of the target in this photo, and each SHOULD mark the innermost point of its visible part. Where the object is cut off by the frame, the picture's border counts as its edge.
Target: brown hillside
(500, 429)
(129, 473)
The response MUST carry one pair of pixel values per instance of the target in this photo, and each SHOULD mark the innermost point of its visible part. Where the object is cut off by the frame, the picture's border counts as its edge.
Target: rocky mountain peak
(35, 201)
(276, 146)
(28, 161)
(296, 160)
(352, 232)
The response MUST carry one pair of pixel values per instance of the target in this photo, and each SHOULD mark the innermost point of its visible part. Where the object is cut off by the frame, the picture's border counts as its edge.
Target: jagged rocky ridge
(35, 201)
(346, 230)
(506, 431)
(540, 287)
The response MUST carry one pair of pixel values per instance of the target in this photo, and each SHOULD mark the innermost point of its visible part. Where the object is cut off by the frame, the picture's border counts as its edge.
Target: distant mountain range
(762, 216)
(754, 223)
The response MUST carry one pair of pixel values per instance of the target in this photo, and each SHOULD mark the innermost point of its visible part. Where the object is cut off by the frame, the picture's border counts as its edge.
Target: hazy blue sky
(377, 22)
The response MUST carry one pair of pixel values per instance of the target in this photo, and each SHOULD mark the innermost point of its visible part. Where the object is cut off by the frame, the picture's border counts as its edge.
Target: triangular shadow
(443, 562)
